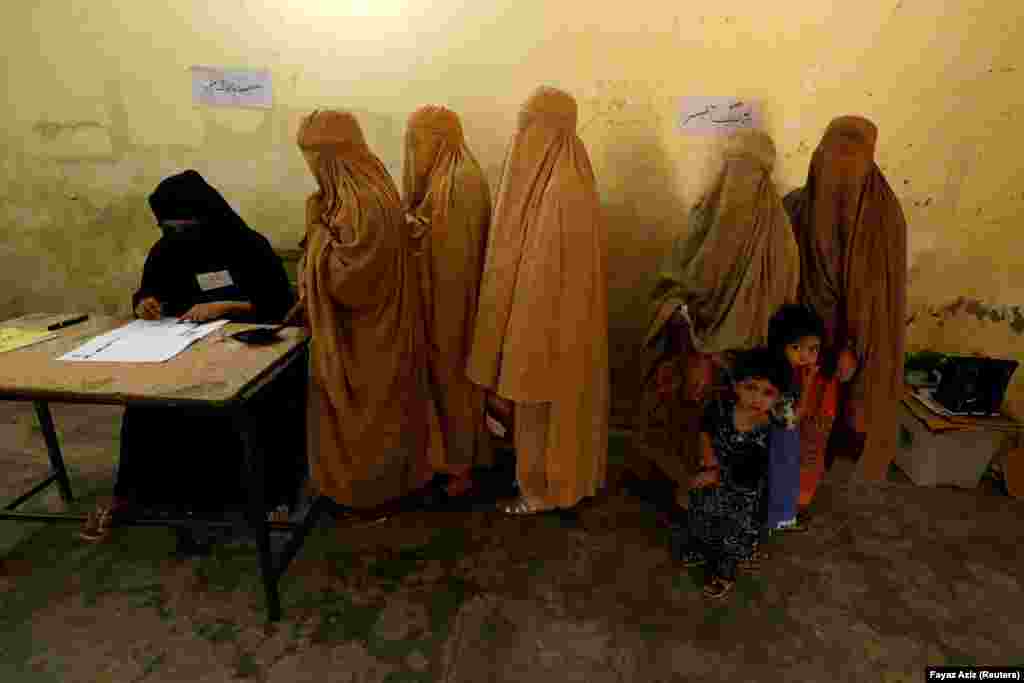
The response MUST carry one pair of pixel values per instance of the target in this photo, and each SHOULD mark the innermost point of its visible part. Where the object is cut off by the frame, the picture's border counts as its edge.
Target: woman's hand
(847, 365)
(149, 309)
(201, 313)
(807, 375)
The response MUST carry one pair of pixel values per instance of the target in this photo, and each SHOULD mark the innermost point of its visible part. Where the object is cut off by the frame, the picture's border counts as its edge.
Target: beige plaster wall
(97, 110)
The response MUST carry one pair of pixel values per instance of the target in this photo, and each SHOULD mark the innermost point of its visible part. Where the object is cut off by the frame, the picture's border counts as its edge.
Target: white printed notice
(143, 341)
(231, 88)
(714, 115)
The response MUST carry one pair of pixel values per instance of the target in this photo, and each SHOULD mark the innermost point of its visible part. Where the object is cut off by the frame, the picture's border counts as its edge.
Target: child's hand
(847, 365)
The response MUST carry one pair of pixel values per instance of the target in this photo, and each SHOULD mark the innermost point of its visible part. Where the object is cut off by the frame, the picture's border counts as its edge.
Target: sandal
(718, 588)
(97, 524)
(523, 506)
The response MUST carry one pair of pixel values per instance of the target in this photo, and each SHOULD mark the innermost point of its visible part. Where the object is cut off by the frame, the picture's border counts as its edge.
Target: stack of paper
(937, 419)
(927, 397)
(143, 341)
(12, 338)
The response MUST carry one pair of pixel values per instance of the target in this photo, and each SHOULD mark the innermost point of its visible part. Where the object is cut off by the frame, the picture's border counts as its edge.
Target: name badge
(217, 280)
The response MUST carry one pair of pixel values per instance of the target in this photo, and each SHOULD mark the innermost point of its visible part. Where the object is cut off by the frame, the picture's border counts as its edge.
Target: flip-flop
(521, 506)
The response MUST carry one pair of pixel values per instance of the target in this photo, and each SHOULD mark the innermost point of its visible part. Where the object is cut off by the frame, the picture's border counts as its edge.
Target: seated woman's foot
(99, 523)
(524, 505)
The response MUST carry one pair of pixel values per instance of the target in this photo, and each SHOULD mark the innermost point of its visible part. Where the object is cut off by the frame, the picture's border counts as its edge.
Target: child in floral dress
(723, 520)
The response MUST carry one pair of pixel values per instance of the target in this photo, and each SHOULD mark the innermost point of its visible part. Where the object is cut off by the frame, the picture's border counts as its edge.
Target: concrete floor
(890, 578)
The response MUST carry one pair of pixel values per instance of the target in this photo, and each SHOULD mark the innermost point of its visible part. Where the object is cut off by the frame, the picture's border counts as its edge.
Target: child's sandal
(718, 588)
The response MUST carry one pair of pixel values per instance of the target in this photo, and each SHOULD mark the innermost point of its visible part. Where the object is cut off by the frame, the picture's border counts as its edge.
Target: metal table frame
(271, 568)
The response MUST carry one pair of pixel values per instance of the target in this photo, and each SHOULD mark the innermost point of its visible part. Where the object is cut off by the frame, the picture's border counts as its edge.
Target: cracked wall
(98, 110)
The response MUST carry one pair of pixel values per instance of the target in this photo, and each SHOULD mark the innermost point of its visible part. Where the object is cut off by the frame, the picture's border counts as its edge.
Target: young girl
(796, 332)
(723, 524)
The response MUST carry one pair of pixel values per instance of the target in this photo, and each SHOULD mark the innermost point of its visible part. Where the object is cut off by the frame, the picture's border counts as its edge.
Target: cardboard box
(957, 458)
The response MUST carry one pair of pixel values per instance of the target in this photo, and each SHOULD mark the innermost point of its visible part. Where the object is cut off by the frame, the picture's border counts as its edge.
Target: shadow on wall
(644, 211)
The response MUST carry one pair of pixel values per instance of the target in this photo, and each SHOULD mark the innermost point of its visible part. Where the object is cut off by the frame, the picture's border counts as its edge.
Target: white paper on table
(143, 341)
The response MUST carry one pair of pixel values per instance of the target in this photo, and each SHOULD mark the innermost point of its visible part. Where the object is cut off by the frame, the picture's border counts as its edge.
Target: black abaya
(178, 456)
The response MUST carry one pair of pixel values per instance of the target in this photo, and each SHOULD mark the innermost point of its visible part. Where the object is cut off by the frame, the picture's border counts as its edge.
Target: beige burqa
(541, 336)
(853, 247)
(737, 263)
(448, 206)
(368, 394)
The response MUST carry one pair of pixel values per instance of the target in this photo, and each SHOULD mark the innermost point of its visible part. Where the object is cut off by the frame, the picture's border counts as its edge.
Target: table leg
(53, 449)
(254, 469)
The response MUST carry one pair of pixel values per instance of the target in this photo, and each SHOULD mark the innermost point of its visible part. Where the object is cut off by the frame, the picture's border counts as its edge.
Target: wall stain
(50, 130)
(1012, 315)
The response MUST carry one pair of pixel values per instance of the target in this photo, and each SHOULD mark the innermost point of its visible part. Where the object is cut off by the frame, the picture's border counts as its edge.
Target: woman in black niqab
(203, 239)
(208, 264)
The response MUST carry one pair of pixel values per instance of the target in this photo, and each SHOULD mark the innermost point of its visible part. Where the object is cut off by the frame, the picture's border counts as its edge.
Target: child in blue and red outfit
(807, 411)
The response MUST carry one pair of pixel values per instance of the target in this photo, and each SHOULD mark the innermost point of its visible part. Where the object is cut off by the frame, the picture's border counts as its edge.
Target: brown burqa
(853, 249)
(734, 267)
(541, 336)
(448, 205)
(368, 391)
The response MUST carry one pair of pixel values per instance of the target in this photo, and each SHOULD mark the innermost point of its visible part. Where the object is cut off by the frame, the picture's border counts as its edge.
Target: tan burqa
(541, 335)
(734, 267)
(448, 206)
(738, 261)
(853, 246)
(368, 394)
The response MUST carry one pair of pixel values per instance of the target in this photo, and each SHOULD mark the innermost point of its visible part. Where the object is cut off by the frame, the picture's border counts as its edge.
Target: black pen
(67, 323)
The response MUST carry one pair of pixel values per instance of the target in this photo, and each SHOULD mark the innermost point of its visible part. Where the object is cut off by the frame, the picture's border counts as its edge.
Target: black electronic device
(974, 385)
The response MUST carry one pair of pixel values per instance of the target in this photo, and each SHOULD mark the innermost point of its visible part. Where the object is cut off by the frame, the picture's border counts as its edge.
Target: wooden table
(216, 373)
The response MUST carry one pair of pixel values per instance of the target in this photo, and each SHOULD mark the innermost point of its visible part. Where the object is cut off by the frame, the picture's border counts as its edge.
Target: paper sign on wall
(713, 115)
(231, 88)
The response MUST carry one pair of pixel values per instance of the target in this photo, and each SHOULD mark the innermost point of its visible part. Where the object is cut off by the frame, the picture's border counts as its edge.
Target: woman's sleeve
(154, 275)
(359, 271)
(266, 284)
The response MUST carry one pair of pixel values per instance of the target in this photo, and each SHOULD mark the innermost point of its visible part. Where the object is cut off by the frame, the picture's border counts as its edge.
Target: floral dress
(723, 523)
